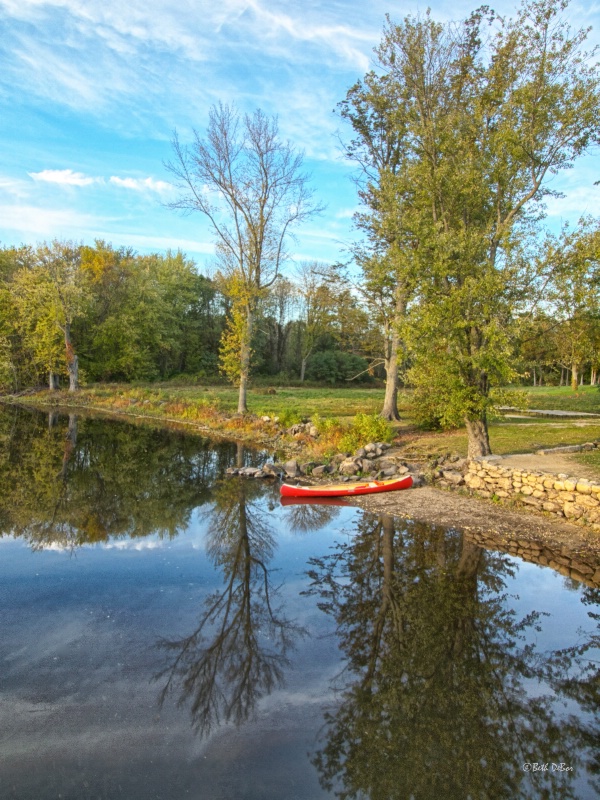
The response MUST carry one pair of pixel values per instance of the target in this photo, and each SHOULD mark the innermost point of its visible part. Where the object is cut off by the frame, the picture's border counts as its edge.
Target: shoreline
(428, 504)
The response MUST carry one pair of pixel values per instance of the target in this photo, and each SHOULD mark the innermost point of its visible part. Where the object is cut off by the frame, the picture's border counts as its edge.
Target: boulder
(453, 477)
(321, 470)
(349, 467)
(292, 468)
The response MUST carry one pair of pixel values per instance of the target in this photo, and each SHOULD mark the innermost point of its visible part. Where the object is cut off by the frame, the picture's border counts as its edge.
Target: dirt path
(553, 463)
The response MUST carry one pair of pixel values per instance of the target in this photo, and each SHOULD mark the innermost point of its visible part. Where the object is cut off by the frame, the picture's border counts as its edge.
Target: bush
(366, 428)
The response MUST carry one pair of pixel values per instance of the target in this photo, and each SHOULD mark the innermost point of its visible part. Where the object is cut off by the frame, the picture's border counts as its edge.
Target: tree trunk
(562, 376)
(479, 440)
(52, 381)
(593, 376)
(390, 402)
(534, 376)
(303, 368)
(574, 383)
(392, 344)
(245, 353)
(72, 361)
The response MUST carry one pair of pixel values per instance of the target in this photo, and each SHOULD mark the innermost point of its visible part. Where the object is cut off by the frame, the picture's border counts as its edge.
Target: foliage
(335, 366)
(364, 429)
(480, 122)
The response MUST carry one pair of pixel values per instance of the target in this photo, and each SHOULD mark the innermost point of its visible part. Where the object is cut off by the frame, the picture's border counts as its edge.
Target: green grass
(590, 460)
(562, 398)
(505, 438)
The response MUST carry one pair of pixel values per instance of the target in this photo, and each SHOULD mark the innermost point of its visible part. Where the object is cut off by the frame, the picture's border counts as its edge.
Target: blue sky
(91, 91)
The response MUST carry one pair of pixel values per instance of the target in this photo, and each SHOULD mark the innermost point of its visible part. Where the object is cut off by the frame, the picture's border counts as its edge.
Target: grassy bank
(212, 408)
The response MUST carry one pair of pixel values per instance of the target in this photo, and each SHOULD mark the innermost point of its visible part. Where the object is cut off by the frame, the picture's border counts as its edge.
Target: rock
(319, 471)
(270, 470)
(572, 511)
(453, 477)
(402, 470)
(312, 431)
(361, 452)
(531, 501)
(370, 448)
(249, 472)
(389, 472)
(349, 467)
(307, 468)
(291, 468)
(266, 418)
(231, 471)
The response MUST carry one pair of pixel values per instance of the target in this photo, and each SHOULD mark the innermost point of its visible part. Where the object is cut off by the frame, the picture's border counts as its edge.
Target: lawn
(562, 398)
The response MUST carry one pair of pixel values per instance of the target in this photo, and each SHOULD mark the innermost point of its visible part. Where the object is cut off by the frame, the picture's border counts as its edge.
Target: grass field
(562, 398)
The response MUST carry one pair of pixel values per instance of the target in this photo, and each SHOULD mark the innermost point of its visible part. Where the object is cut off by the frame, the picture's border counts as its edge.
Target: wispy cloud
(65, 177)
(141, 184)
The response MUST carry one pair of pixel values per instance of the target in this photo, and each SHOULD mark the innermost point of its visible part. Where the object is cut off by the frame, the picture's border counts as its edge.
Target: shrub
(366, 428)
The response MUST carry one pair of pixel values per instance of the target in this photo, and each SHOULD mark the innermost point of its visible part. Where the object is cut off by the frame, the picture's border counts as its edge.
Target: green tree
(374, 107)
(573, 258)
(249, 184)
(51, 293)
(483, 122)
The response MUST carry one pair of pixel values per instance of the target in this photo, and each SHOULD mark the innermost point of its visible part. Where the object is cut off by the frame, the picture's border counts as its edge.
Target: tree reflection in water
(238, 651)
(67, 482)
(436, 697)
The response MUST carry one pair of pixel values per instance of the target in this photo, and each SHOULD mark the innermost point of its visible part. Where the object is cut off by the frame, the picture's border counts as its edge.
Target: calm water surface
(169, 633)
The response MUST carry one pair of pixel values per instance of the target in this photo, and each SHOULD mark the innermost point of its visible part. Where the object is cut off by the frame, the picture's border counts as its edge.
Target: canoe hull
(346, 489)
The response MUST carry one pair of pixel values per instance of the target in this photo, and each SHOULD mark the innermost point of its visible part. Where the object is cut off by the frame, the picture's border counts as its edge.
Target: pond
(166, 632)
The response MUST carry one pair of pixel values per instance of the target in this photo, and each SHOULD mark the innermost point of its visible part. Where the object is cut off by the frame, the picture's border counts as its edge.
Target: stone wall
(577, 499)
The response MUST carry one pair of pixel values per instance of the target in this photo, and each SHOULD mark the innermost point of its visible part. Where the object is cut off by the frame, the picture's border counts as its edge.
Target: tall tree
(483, 122)
(52, 292)
(374, 107)
(250, 185)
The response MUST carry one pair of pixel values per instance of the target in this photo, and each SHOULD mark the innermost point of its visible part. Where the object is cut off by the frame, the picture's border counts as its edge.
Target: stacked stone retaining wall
(577, 499)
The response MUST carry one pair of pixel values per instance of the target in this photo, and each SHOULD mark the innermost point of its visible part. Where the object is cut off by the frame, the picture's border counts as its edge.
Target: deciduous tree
(251, 187)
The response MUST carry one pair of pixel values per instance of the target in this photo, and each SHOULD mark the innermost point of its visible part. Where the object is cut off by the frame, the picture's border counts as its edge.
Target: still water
(169, 633)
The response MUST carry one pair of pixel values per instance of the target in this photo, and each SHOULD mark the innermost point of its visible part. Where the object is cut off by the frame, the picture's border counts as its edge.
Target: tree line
(70, 312)
(455, 289)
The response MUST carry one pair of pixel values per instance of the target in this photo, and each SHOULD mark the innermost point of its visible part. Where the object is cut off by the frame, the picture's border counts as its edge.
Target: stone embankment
(576, 499)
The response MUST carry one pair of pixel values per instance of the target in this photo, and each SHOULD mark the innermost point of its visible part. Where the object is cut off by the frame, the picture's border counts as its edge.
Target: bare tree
(250, 185)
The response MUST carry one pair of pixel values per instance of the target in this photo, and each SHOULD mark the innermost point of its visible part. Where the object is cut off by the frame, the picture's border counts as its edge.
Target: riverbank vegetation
(213, 408)
(455, 289)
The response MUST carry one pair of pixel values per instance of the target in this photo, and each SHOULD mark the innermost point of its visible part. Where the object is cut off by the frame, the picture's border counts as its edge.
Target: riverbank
(203, 415)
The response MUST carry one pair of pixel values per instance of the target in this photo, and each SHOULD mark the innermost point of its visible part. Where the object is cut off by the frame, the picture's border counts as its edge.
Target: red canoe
(346, 489)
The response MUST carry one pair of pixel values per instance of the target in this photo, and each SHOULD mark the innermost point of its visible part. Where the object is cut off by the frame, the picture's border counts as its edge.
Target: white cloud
(45, 222)
(141, 184)
(65, 177)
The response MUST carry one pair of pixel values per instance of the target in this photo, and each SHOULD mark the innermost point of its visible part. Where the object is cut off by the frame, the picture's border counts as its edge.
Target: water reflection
(445, 693)
(239, 649)
(68, 482)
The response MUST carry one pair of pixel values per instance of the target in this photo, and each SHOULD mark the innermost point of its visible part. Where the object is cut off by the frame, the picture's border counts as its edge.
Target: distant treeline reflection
(69, 481)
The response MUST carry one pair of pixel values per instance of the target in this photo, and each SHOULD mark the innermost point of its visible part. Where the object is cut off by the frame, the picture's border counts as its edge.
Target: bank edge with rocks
(373, 461)
(572, 498)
